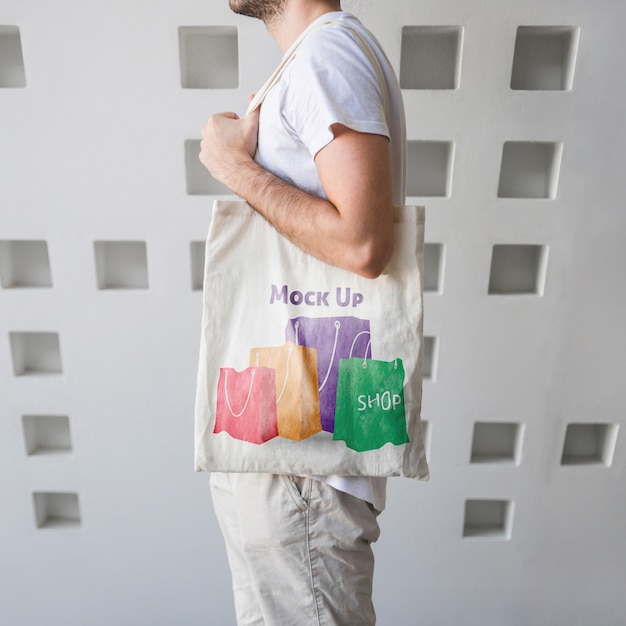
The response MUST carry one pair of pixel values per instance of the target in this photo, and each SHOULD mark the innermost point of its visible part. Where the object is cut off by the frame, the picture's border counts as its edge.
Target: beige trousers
(299, 550)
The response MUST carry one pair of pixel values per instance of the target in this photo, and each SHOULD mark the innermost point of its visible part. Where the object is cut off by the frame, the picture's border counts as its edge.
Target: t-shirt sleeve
(330, 81)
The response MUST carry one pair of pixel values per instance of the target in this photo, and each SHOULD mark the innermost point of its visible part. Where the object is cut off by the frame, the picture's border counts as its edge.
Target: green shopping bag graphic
(370, 404)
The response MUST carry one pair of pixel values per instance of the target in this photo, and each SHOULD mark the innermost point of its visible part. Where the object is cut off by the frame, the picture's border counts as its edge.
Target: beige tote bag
(306, 368)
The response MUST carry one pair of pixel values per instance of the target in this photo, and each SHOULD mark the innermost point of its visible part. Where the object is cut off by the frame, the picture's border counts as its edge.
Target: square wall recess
(589, 444)
(430, 57)
(199, 181)
(518, 269)
(121, 264)
(56, 510)
(209, 57)
(197, 265)
(544, 58)
(12, 73)
(488, 519)
(429, 168)
(530, 169)
(35, 354)
(429, 365)
(496, 442)
(433, 267)
(47, 434)
(24, 264)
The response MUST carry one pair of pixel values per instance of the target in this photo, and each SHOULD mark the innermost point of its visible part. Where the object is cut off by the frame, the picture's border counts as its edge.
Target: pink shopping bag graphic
(334, 338)
(246, 404)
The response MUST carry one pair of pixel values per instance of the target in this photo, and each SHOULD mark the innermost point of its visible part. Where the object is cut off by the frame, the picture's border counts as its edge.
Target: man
(323, 161)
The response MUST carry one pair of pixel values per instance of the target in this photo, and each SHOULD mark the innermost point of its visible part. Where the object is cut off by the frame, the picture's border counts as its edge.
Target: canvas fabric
(250, 304)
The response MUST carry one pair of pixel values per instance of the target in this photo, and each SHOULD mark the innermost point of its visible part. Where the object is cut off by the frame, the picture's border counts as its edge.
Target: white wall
(92, 149)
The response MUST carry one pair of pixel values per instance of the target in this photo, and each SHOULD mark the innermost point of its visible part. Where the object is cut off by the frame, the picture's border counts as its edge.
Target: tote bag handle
(291, 52)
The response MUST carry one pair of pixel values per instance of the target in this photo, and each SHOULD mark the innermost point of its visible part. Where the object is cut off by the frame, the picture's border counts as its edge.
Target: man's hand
(228, 143)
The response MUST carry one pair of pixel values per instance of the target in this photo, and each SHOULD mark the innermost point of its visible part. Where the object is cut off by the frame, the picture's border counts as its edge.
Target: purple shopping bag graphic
(334, 338)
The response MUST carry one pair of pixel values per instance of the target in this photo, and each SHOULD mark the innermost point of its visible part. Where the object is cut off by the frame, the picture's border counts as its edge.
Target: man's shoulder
(336, 39)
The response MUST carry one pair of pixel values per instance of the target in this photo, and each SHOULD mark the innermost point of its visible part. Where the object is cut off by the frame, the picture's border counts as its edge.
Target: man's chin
(264, 10)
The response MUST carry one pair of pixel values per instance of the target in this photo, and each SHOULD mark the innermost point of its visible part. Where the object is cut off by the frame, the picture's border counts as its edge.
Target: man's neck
(298, 14)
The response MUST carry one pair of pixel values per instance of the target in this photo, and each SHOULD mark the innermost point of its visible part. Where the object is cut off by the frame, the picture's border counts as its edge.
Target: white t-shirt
(331, 81)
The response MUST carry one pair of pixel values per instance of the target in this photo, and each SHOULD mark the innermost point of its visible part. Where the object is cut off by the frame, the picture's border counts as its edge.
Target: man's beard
(265, 10)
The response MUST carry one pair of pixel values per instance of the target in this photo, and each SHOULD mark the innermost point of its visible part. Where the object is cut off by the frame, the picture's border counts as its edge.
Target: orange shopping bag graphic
(297, 396)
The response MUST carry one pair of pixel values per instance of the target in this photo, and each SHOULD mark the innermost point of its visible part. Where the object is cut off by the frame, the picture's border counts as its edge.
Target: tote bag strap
(278, 72)
(291, 52)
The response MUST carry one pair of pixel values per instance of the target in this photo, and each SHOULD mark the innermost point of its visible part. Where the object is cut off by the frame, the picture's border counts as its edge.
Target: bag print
(246, 404)
(297, 398)
(334, 338)
(370, 404)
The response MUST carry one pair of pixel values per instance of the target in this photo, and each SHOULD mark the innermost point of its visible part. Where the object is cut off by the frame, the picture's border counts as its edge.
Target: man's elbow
(372, 259)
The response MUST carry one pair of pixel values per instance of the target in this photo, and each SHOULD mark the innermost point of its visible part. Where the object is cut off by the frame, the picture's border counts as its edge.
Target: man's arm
(353, 229)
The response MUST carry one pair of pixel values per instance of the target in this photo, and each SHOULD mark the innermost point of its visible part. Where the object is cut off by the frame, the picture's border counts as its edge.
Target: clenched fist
(228, 142)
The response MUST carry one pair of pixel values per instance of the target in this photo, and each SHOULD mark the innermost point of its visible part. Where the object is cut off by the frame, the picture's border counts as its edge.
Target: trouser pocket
(299, 488)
